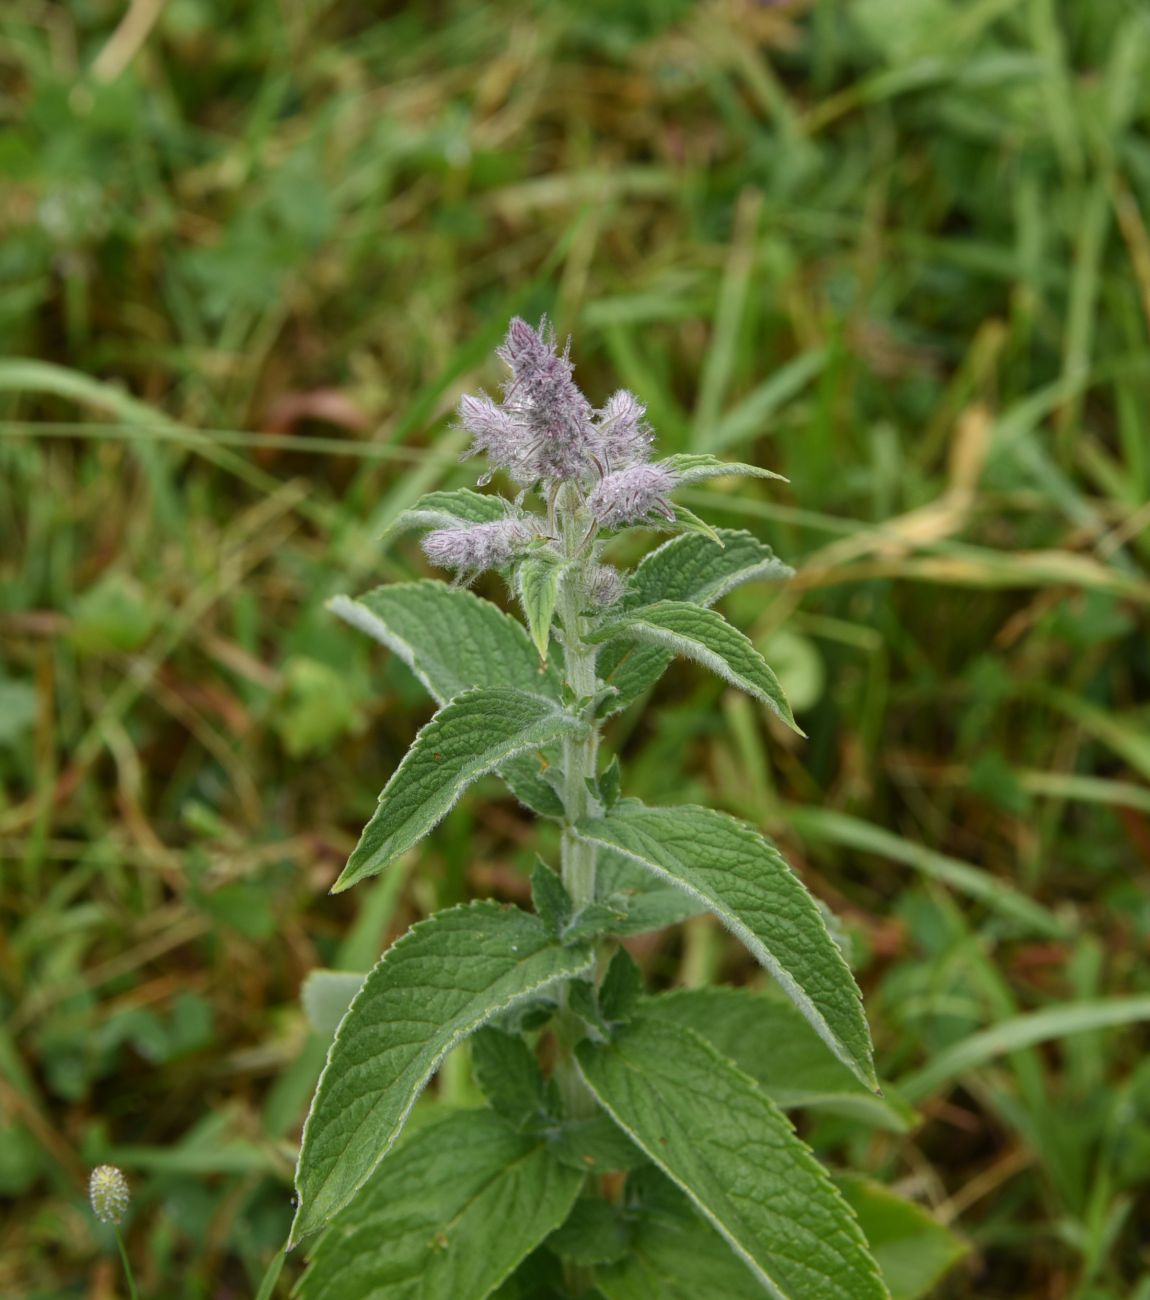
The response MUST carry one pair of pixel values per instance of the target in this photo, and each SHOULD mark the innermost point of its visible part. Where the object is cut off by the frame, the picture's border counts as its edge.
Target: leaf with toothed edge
(537, 583)
(446, 977)
(422, 1225)
(707, 637)
(689, 567)
(471, 735)
(742, 878)
(716, 1134)
(453, 640)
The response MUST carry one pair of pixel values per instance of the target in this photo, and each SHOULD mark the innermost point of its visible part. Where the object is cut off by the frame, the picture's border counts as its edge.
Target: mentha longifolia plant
(633, 1145)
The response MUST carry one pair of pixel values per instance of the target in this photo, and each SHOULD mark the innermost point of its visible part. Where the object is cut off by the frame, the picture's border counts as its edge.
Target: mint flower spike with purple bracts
(646, 1087)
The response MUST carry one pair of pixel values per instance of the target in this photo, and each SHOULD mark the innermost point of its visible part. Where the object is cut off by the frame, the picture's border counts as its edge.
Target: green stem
(580, 753)
(127, 1265)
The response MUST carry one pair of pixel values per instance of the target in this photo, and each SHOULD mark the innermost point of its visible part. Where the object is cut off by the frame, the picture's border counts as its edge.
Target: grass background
(253, 250)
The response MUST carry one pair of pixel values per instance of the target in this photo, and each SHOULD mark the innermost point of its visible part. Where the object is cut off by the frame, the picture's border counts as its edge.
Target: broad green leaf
(441, 981)
(537, 583)
(472, 734)
(715, 1133)
(508, 1074)
(451, 1214)
(743, 879)
(707, 637)
(326, 996)
(595, 1233)
(691, 467)
(673, 1253)
(688, 567)
(649, 903)
(912, 1250)
(451, 509)
(450, 638)
(770, 1041)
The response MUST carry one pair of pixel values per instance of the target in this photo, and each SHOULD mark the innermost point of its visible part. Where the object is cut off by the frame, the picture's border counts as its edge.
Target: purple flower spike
(478, 547)
(553, 415)
(624, 436)
(629, 495)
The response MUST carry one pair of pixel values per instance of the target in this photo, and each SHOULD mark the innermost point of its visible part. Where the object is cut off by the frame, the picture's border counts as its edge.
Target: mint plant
(634, 1145)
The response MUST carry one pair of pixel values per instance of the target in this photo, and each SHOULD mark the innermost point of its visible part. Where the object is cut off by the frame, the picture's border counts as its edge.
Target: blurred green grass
(251, 254)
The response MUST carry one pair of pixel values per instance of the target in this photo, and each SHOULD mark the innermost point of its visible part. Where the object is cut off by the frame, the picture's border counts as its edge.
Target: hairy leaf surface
(451, 508)
(537, 581)
(743, 879)
(690, 568)
(714, 1132)
(472, 734)
(450, 638)
(649, 902)
(692, 467)
(705, 636)
(770, 1041)
(448, 1217)
(442, 980)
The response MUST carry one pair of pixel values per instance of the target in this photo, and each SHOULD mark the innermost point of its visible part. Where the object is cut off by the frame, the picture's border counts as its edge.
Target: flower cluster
(108, 1194)
(476, 547)
(545, 430)
(629, 495)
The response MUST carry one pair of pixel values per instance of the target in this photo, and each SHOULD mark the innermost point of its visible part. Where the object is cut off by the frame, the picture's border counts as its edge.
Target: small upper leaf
(452, 508)
(472, 734)
(688, 567)
(743, 879)
(442, 980)
(690, 467)
(423, 1225)
(715, 1133)
(707, 637)
(537, 581)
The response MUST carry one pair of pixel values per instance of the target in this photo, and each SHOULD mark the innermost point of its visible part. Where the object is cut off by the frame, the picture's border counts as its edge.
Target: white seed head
(108, 1192)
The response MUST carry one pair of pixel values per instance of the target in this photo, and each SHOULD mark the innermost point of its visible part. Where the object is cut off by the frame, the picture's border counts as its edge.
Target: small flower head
(476, 547)
(628, 496)
(494, 431)
(108, 1194)
(623, 434)
(606, 586)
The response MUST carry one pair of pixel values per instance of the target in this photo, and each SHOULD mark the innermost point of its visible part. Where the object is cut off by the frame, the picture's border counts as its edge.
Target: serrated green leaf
(707, 637)
(452, 640)
(508, 1074)
(646, 900)
(621, 986)
(743, 879)
(691, 467)
(690, 568)
(715, 1133)
(451, 508)
(449, 637)
(472, 734)
(673, 1253)
(913, 1251)
(424, 1224)
(610, 783)
(326, 996)
(441, 981)
(537, 582)
(769, 1040)
(595, 1145)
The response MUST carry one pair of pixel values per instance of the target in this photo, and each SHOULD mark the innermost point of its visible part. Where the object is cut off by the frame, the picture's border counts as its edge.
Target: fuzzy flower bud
(108, 1194)
(623, 435)
(494, 432)
(476, 547)
(606, 586)
(556, 435)
(629, 495)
